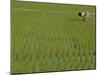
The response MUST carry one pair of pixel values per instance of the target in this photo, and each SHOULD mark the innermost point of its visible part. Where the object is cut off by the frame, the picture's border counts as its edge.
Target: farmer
(84, 15)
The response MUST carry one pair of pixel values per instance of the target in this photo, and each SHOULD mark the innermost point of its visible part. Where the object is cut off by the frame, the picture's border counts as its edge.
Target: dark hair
(80, 14)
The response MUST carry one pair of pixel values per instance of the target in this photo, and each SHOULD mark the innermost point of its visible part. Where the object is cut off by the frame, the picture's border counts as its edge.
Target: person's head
(80, 14)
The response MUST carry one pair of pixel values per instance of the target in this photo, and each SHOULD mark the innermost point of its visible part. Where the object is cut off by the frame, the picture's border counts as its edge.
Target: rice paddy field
(49, 37)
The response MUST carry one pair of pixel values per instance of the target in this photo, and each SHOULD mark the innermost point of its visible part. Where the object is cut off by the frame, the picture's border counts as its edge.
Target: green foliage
(51, 37)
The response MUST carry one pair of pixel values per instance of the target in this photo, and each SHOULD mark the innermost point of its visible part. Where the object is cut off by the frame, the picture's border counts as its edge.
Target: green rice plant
(51, 37)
